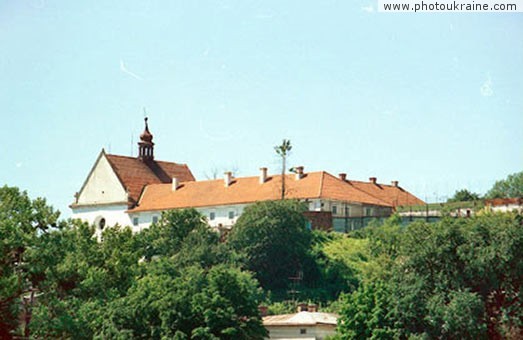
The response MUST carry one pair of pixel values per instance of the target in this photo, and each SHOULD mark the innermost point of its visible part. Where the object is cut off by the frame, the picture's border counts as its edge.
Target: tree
(457, 278)
(82, 275)
(510, 187)
(283, 151)
(274, 240)
(455, 316)
(364, 313)
(463, 195)
(166, 237)
(21, 221)
(221, 303)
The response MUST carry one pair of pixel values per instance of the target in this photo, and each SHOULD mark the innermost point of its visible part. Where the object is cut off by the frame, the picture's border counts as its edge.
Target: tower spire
(146, 145)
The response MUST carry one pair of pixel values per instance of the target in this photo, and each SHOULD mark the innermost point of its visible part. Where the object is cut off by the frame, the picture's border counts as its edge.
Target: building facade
(135, 191)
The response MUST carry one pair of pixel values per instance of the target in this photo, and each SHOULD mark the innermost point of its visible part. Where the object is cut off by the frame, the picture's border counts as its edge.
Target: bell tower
(146, 145)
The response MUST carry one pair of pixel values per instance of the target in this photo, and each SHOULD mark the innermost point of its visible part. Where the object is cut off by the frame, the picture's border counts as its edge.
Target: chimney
(263, 310)
(394, 183)
(312, 308)
(299, 172)
(263, 175)
(176, 183)
(373, 180)
(227, 178)
(343, 176)
(302, 307)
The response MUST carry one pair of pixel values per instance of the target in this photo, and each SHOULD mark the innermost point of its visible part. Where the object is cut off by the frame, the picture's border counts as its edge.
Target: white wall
(116, 213)
(113, 214)
(508, 208)
(354, 209)
(221, 216)
(102, 186)
(293, 332)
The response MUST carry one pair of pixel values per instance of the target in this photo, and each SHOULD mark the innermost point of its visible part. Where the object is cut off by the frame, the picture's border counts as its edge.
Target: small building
(505, 204)
(305, 324)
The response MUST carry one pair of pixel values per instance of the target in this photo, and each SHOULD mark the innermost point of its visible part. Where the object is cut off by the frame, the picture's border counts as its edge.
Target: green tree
(21, 221)
(510, 187)
(457, 278)
(364, 313)
(82, 275)
(283, 151)
(274, 240)
(464, 195)
(326, 273)
(166, 237)
(220, 303)
(455, 316)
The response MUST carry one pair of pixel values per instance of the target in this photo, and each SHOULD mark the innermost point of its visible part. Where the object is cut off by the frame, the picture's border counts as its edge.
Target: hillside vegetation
(457, 278)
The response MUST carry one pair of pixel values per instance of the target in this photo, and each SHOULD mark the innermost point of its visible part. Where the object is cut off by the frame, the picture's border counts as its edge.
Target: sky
(434, 101)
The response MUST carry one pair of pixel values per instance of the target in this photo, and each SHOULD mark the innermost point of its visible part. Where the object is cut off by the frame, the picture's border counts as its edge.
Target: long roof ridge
(154, 160)
(368, 193)
(362, 191)
(147, 166)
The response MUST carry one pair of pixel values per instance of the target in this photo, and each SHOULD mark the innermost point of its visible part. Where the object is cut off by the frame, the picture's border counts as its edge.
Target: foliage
(455, 316)
(365, 313)
(221, 303)
(82, 275)
(510, 187)
(464, 195)
(274, 240)
(281, 308)
(174, 280)
(21, 221)
(457, 278)
(166, 237)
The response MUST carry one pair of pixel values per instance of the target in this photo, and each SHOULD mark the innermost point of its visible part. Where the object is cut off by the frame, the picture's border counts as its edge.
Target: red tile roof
(249, 190)
(393, 195)
(135, 174)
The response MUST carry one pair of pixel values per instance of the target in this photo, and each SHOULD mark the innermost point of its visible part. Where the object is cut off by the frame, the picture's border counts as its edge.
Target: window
(101, 223)
(368, 211)
(334, 210)
(155, 219)
(212, 216)
(231, 215)
(303, 330)
(136, 221)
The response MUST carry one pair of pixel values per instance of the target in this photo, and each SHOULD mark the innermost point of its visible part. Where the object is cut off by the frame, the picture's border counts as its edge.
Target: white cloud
(368, 9)
(486, 88)
(125, 70)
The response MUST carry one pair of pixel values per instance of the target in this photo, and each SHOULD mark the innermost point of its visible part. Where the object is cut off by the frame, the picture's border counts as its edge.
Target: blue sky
(432, 100)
